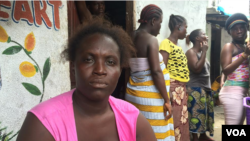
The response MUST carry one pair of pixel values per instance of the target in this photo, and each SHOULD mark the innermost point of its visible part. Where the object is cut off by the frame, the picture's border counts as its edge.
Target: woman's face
(183, 30)
(239, 32)
(97, 66)
(203, 36)
(97, 7)
(157, 26)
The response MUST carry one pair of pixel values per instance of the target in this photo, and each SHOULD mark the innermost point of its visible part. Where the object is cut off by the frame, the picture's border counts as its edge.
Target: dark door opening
(116, 11)
(215, 53)
(120, 13)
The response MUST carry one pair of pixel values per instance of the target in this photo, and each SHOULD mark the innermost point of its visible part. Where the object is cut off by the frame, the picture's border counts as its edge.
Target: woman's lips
(97, 83)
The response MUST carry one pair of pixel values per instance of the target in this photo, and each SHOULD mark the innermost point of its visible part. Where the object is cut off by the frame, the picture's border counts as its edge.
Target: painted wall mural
(21, 11)
(33, 33)
(27, 69)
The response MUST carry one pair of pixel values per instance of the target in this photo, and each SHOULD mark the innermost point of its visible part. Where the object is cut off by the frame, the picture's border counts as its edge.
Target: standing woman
(234, 63)
(146, 87)
(87, 9)
(200, 99)
(176, 63)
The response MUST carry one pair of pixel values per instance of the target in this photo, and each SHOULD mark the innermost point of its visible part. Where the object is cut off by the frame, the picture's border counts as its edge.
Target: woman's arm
(33, 130)
(222, 80)
(165, 56)
(156, 72)
(194, 64)
(144, 131)
(83, 12)
(226, 60)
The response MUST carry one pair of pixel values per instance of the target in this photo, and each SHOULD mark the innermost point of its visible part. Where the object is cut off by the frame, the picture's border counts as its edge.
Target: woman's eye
(88, 60)
(111, 62)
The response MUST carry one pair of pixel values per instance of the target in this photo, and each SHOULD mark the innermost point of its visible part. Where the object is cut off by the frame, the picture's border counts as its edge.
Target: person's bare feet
(204, 137)
(195, 137)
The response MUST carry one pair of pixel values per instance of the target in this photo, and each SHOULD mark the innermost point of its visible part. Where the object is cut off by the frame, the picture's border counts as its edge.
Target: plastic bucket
(246, 103)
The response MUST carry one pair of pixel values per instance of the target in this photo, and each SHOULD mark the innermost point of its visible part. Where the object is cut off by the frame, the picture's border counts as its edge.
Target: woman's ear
(179, 27)
(153, 21)
(198, 38)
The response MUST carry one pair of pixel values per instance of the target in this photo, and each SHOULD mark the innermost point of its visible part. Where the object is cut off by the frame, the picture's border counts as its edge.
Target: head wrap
(236, 19)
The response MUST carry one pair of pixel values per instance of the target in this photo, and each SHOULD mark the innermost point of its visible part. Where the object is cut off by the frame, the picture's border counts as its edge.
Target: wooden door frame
(130, 16)
(73, 22)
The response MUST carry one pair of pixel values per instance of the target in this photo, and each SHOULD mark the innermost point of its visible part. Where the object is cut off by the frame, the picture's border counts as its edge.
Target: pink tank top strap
(57, 115)
(126, 116)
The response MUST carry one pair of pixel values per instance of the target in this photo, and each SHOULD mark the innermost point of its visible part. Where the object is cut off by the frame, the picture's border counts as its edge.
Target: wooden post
(129, 16)
(73, 22)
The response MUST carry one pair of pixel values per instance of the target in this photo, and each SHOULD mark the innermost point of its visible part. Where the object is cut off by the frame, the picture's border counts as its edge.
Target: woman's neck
(239, 42)
(173, 38)
(87, 107)
(145, 28)
(197, 47)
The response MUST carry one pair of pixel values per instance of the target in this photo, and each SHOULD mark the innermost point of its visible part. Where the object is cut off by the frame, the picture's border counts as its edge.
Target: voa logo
(236, 132)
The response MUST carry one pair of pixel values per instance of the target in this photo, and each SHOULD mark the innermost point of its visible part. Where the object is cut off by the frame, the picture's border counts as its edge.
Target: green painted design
(36, 68)
(4, 136)
(46, 69)
(32, 89)
(9, 39)
(12, 50)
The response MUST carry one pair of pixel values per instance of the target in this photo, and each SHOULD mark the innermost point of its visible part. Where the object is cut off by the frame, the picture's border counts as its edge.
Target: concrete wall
(209, 34)
(193, 11)
(33, 67)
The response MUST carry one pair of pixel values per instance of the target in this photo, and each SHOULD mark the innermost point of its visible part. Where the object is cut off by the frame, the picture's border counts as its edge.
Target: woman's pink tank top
(57, 115)
(242, 72)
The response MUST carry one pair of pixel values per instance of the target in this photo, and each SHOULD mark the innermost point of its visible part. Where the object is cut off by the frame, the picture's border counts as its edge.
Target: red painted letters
(56, 5)
(32, 12)
(41, 13)
(4, 14)
(22, 11)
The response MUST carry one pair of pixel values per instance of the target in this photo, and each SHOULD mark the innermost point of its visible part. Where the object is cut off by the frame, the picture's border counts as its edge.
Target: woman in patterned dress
(176, 63)
(200, 99)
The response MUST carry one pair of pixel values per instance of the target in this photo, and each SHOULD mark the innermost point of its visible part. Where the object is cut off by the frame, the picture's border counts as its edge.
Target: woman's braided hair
(149, 12)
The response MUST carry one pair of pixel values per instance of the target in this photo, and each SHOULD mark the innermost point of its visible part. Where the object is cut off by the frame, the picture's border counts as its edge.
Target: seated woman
(88, 113)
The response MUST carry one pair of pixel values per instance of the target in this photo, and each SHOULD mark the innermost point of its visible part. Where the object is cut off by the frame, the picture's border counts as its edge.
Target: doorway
(119, 12)
(215, 53)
